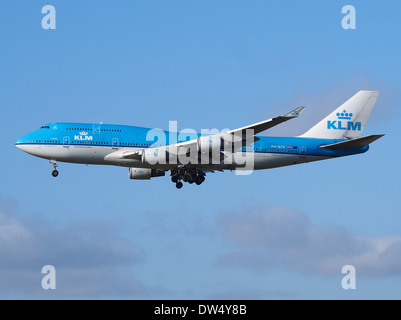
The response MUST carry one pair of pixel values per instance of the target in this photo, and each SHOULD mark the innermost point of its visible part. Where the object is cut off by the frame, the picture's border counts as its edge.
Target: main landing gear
(187, 175)
(55, 165)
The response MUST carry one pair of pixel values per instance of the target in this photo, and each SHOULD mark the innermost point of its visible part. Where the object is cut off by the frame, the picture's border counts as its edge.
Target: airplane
(150, 153)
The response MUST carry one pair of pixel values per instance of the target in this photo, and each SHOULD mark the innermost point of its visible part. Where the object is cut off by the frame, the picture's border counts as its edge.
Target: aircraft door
(303, 152)
(96, 128)
(115, 143)
(66, 142)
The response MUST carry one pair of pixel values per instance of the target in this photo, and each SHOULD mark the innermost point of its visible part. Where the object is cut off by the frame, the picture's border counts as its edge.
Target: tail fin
(347, 121)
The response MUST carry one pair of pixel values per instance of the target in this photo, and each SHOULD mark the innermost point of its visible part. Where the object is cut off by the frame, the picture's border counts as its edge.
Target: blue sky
(281, 233)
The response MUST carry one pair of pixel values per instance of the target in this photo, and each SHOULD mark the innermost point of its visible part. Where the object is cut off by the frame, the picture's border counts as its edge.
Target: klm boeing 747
(189, 156)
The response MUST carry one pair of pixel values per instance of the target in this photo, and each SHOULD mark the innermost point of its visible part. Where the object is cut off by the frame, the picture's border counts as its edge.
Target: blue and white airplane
(151, 153)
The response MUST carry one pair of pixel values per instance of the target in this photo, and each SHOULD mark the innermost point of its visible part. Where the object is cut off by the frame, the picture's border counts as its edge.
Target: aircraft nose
(18, 143)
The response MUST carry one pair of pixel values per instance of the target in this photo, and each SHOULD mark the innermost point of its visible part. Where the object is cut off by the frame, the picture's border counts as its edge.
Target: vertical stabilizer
(348, 120)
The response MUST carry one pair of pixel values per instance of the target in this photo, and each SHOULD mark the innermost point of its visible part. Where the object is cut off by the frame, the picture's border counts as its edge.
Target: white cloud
(11, 232)
(91, 259)
(253, 295)
(285, 237)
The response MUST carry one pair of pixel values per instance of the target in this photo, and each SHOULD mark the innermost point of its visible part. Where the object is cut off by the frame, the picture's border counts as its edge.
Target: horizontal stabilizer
(354, 143)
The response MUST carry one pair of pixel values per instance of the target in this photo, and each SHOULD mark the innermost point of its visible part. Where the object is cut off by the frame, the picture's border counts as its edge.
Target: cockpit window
(45, 127)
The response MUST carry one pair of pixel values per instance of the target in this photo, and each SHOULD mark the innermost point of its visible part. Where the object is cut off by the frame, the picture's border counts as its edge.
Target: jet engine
(145, 174)
(154, 156)
(209, 144)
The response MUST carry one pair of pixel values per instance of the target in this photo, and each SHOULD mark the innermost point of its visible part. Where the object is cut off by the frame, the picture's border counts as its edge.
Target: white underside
(96, 154)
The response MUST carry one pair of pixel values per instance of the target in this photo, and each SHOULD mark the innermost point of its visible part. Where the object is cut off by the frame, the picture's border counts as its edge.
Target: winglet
(294, 113)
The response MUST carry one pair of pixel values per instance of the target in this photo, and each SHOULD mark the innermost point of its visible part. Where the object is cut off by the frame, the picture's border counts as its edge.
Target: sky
(282, 233)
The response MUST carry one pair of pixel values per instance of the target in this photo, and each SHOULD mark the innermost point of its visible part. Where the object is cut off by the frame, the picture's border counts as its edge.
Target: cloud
(253, 295)
(90, 258)
(280, 236)
(183, 225)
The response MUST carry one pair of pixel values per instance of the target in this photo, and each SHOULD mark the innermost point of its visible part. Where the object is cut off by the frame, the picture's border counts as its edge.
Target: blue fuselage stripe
(78, 134)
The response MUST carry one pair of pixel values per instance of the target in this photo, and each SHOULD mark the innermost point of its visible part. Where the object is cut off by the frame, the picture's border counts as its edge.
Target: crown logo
(83, 133)
(344, 115)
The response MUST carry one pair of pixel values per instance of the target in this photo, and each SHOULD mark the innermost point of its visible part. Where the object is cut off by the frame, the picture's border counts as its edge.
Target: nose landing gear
(55, 165)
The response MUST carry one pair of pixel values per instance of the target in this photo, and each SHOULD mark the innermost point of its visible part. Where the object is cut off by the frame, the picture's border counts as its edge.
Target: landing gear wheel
(199, 181)
(55, 165)
(174, 179)
(179, 185)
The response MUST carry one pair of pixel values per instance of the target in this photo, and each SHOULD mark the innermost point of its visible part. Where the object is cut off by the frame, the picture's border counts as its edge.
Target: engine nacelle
(145, 174)
(209, 143)
(214, 143)
(154, 156)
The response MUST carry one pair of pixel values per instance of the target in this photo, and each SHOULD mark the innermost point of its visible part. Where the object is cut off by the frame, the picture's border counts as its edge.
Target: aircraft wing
(270, 123)
(239, 137)
(124, 154)
(132, 154)
(235, 139)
